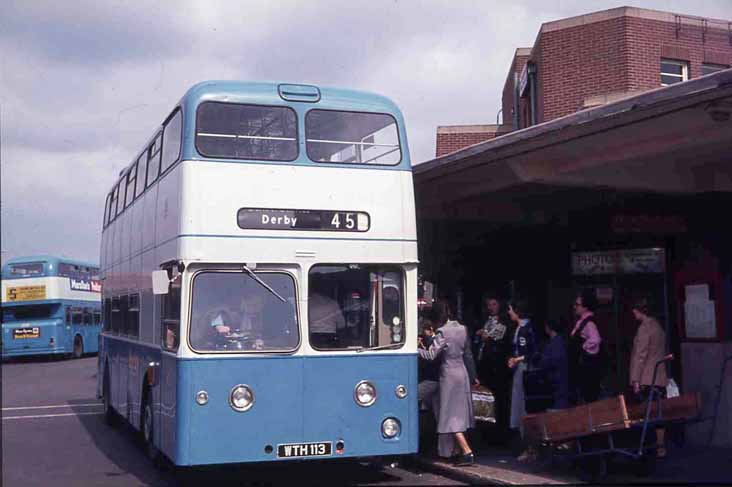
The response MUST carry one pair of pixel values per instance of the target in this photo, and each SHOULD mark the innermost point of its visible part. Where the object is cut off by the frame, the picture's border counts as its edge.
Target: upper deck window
(352, 137)
(171, 141)
(233, 312)
(235, 131)
(27, 269)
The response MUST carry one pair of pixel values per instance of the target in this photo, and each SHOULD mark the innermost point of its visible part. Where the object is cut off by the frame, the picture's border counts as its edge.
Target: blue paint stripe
(285, 237)
(300, 162)
(270, 237)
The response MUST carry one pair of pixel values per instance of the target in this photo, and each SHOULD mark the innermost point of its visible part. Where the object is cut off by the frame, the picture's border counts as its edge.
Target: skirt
(518, 397)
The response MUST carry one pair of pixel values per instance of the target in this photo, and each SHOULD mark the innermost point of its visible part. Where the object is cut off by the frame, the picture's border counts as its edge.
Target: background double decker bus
(50, 306)
(259, 259)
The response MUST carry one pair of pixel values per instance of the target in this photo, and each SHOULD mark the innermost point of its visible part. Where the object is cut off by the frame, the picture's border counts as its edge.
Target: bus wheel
(110, 417)
(78, 347)
(148, 428)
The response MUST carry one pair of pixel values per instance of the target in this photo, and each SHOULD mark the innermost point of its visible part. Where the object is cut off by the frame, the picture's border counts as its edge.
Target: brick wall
(578, 62)
(617, 55)
(651, 40)
(604, 55)
(454, 138)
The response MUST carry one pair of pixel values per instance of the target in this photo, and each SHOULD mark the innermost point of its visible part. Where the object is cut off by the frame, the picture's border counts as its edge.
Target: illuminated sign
(323, 220)
(25, 293)
(85, 285)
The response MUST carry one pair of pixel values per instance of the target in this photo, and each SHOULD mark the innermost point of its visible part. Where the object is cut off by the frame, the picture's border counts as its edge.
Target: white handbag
(672, 390)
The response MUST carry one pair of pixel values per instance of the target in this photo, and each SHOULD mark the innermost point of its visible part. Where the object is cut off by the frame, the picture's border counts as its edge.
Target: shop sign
(650, 224)
(699, 312)
(625, 261)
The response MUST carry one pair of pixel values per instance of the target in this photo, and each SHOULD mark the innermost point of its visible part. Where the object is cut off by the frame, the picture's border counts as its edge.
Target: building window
(709, 68)
(673, 71)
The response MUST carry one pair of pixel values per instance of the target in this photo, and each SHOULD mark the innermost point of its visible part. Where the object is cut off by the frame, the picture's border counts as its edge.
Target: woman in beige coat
(649, 347)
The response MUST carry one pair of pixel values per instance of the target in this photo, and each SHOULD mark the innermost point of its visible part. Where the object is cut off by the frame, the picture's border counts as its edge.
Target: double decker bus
(50, 306)
(259, 260)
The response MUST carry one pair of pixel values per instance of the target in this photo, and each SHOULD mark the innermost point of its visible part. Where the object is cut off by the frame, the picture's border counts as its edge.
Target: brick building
(597, 58)
(612, 172)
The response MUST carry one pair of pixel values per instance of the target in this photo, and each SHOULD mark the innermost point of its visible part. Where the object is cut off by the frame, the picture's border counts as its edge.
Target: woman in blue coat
(524, 348)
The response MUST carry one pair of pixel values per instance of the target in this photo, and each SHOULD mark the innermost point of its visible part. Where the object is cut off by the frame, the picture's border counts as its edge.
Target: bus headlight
(241, 398)
(365, 393)
(202, 398)
(401, 391)
(391, 428)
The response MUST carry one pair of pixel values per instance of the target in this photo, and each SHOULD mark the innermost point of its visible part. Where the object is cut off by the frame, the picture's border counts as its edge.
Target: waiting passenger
(551, 364)
(649, 347)
(428, 373)
(457, 372)
(524, 347)
(586, 361)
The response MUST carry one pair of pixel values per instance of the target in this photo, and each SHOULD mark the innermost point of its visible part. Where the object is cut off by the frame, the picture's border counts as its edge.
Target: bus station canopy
(674, 140)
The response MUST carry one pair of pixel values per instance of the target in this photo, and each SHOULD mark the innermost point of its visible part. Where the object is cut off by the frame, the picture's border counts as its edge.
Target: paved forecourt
(53, 433)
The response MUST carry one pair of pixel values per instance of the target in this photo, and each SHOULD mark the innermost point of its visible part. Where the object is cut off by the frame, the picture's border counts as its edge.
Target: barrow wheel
(647, 464)
(593, 469)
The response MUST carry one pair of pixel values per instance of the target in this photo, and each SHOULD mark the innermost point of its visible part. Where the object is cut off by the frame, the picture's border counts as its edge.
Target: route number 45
(348, 220)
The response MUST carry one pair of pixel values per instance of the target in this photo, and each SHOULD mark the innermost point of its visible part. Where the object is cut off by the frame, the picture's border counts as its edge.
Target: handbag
(672, 389)
(483, 404)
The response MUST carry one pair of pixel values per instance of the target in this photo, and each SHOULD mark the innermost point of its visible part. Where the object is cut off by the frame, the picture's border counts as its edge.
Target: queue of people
(525, 371)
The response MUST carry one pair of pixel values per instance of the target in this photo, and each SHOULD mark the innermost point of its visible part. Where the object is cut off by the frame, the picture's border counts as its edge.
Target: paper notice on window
(697, 292)
(700, 319)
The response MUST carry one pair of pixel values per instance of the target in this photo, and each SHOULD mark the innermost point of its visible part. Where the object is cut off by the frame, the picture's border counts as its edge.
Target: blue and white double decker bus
(50, 306)
(259, 260)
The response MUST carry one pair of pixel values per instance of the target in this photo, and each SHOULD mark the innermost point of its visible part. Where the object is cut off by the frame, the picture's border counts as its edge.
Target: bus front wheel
(78, 347)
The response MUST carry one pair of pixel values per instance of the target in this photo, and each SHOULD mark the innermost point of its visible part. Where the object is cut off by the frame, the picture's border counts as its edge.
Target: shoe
(465, 460)
(563, 447)
(529, 455)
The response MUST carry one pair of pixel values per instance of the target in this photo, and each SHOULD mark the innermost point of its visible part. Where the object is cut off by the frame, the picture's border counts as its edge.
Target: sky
(83, 84)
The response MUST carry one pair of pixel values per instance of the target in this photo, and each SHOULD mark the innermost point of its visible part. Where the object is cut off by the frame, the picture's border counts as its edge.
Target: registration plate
(299, 450)
(27, 332)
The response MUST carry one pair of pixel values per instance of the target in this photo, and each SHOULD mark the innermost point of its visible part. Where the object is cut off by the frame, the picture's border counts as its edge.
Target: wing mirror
(160, 282)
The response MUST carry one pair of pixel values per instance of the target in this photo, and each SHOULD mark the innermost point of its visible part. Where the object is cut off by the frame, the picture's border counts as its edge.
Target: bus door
(168, 368)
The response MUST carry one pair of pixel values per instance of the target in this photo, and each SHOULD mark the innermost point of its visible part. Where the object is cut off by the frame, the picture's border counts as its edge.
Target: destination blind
(323, 220)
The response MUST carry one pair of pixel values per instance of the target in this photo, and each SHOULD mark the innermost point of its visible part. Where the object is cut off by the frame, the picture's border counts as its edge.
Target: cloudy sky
(84, 83)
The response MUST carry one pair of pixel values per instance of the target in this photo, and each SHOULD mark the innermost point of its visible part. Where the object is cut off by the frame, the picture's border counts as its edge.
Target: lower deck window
(233, 312)
(30, 312)
(355, 306)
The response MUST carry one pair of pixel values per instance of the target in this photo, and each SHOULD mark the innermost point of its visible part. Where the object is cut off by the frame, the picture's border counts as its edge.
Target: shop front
(629, 200)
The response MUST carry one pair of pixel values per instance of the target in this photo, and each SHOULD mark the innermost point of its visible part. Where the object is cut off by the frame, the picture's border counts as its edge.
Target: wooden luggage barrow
(592, 432)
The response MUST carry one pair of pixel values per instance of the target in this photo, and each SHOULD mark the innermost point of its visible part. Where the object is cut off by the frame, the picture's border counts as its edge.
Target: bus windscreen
(233, 312)
(27, 269)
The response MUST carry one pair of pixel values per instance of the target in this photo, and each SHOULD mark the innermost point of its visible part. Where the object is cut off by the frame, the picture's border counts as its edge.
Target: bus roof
(48, 259)
(268, 93)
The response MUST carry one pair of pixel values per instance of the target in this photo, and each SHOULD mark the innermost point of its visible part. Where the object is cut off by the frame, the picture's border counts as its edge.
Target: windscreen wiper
(380, 347)
(260, 281)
